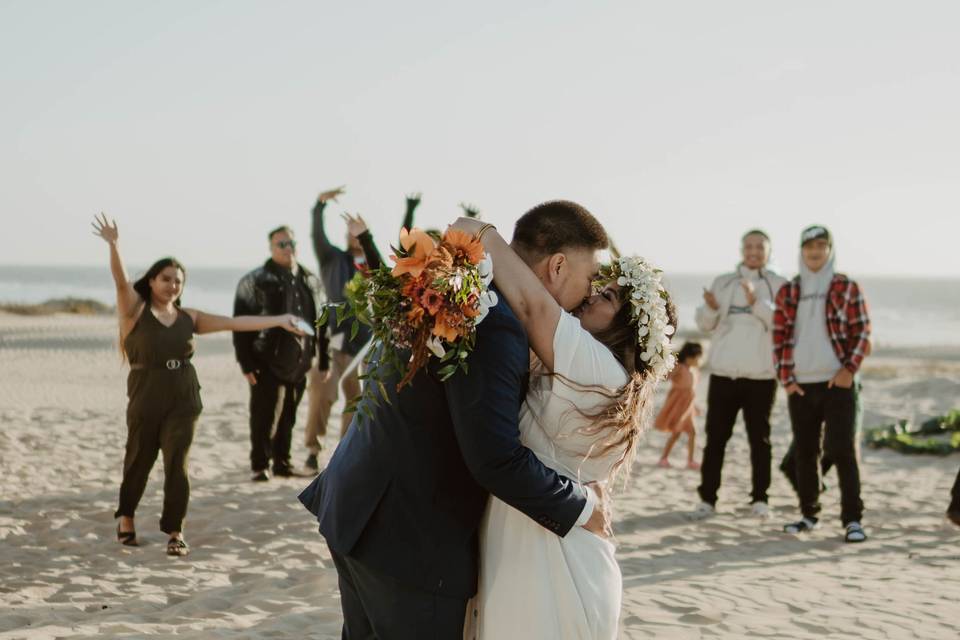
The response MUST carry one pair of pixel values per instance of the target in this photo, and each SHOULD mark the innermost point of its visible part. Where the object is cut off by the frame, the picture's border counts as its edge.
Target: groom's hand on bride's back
(600, 522)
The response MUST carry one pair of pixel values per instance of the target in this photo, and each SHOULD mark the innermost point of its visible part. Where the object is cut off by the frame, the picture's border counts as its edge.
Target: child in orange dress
(676, 416)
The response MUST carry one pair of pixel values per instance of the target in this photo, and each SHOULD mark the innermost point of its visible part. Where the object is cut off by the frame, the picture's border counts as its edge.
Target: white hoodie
(741, 334)
(813, 353)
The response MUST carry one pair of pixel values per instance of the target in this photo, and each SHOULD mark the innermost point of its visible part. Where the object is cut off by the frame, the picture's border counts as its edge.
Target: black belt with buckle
(172, 364)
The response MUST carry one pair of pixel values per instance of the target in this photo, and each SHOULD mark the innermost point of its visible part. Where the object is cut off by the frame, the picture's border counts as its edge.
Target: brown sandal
(127, 538)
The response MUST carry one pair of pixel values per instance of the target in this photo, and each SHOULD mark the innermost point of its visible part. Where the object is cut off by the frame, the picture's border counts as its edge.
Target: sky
(200, 125)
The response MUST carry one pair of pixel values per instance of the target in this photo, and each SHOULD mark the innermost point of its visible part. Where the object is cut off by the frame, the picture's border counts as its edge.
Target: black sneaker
(287, 471)
(312, 463)
(260, 476)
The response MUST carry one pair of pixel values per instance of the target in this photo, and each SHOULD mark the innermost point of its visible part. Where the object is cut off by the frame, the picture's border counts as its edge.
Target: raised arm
(413, 200)
(210, 323)
(470, 210)
(127, 299)
(533, 305)
(357, 227)
(321, 243)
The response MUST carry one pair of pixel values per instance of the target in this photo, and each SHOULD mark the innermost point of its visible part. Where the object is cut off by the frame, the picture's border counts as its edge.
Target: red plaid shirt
(848, 325)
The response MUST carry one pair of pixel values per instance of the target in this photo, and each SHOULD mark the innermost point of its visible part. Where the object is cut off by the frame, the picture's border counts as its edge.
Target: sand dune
(260, 570)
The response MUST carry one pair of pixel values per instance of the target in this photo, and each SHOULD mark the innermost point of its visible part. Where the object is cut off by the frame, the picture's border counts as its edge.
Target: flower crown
(648, 300)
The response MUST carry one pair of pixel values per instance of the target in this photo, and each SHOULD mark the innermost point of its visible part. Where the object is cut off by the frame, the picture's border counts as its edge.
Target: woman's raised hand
(355, 224)
(105, 229)
(332, 194)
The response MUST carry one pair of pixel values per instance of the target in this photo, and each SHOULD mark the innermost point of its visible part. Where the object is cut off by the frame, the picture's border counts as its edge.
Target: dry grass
(79, 306)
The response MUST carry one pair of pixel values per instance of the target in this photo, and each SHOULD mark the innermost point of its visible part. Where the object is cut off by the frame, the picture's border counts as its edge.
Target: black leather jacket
(272, 290)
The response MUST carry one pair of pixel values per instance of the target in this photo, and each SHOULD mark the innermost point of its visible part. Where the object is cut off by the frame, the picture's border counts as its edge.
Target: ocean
(906, 312)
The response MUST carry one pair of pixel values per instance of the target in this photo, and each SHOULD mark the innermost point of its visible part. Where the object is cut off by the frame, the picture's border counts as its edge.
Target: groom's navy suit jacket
(404, 492)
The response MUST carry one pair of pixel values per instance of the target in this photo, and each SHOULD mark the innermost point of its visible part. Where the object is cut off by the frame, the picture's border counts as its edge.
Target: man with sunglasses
(275, 363)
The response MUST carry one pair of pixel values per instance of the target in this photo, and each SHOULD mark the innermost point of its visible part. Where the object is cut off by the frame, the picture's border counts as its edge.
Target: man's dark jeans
(789, 464)
(725, 398)
(824, 422)
(273, 412)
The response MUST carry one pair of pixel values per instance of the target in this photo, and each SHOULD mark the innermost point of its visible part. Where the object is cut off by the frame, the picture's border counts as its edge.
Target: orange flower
(431, 301)
(441, 257)
(413, 288)
(464, 243)
(445, 326)
(415, 314)
(419, 246)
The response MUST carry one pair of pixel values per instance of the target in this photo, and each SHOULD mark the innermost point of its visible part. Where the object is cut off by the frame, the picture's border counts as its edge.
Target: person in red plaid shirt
(821, 333)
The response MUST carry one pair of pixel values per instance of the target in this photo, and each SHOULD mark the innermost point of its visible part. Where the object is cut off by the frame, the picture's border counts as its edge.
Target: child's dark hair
(689, 350)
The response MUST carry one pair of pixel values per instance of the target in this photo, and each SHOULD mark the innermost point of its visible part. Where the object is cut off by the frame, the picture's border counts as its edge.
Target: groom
(401, 500)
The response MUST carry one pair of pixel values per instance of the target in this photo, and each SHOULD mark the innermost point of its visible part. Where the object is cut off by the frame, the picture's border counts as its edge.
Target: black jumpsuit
(164, 404)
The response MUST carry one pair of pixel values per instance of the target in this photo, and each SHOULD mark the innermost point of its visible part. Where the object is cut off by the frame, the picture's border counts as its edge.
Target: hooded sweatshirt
(815, 358)
(741, 339)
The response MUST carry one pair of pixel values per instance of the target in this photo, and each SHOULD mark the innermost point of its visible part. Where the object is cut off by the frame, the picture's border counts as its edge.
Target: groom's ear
(556, 264)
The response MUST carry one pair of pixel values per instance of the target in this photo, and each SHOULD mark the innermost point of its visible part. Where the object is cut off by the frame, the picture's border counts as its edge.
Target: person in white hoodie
(737, 313)
(821, 334)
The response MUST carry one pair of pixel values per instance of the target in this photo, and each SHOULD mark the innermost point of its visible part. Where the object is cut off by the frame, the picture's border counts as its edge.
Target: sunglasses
(287, 244)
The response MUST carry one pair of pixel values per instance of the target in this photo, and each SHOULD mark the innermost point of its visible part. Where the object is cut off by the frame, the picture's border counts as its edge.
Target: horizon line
(892, 276)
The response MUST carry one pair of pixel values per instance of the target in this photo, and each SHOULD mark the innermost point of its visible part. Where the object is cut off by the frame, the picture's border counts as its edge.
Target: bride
(593, 375)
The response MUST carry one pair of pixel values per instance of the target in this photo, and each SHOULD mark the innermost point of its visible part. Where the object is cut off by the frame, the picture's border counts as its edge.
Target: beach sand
(259, 569)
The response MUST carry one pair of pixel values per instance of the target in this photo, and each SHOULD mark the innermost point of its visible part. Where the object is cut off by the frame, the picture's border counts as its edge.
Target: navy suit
(404, 493)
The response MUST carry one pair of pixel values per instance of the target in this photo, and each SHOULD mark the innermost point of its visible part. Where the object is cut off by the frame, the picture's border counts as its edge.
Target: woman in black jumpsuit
(156, 336)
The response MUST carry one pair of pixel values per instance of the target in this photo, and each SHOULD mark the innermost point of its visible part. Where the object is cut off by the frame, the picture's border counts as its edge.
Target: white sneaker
(761, 510)
(704, 510)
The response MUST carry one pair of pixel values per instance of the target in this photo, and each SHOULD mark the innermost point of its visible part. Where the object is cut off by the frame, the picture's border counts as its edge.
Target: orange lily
(419, 245)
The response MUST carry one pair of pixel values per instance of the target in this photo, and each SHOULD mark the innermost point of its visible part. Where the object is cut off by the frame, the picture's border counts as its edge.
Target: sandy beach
(258, 568)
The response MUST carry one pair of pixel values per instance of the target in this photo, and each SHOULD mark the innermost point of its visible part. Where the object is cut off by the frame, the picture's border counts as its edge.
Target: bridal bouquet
(428, 305)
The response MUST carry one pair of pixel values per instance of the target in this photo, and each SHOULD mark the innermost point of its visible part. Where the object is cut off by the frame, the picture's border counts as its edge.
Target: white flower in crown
(648, 301)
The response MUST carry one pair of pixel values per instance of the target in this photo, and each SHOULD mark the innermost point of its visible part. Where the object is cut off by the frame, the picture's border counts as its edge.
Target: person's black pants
(824, 421)
(726, 397)
(380, 607)
(789, 463)
(273, 412)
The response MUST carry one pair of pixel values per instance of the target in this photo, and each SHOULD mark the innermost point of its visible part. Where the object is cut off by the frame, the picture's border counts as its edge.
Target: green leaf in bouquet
(447, 371)
(383, 392)
(354, 330)
(324, 316)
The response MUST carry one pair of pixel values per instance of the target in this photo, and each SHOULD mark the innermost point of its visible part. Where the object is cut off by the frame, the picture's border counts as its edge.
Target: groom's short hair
(553, 226)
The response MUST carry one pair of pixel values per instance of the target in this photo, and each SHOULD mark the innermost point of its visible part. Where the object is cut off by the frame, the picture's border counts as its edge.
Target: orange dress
(678, 411)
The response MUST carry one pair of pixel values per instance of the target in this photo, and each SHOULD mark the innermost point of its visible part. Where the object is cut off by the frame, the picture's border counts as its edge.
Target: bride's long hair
(620, 423)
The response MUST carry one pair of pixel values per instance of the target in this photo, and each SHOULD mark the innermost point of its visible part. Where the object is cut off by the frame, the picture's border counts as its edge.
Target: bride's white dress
(534, 584)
